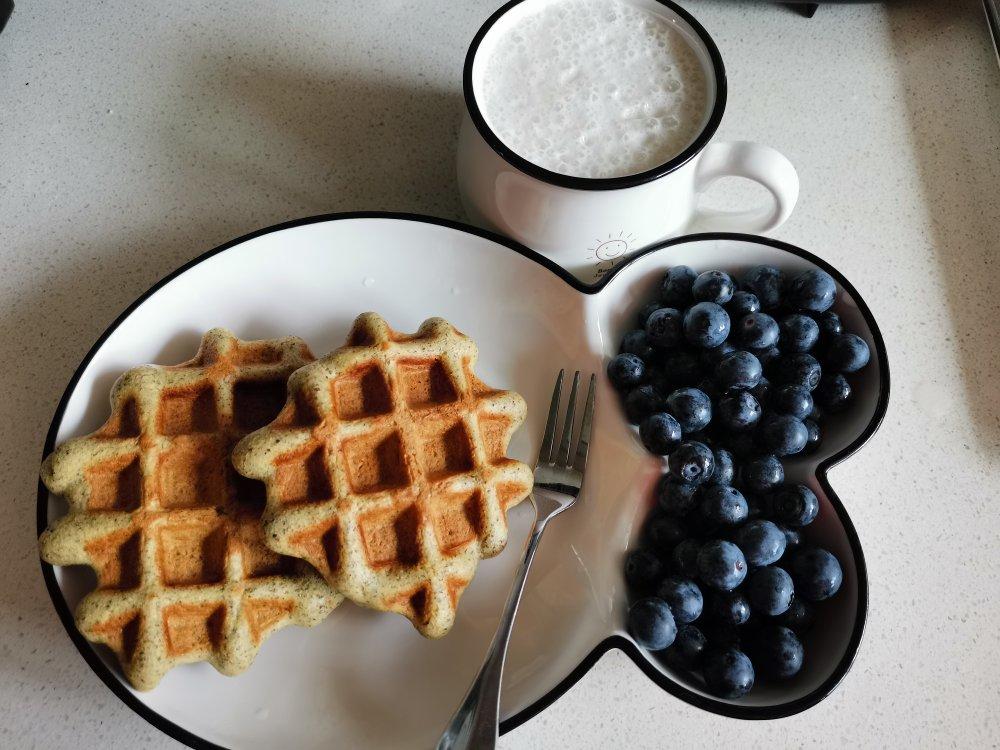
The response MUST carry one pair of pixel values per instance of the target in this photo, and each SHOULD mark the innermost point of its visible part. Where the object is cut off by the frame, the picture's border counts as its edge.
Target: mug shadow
(954, 137)
(280, 141)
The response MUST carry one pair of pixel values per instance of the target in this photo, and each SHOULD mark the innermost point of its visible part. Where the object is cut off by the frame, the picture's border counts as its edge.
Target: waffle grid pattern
(171, 530)
(387, 470)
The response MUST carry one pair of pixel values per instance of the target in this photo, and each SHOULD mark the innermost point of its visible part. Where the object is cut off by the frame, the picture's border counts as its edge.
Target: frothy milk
(594, 88)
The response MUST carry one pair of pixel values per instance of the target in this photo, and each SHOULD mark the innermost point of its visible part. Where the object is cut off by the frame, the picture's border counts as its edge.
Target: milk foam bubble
(593, 88)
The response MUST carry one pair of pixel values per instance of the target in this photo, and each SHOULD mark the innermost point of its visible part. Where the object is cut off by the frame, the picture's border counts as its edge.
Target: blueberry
(685, 558)
(721, 565)
(675, 498)
(847, 352)
(728, 673)
(724, 506)
(635, 342)
(706, 325)
(762, 474)
(675, 290)
(692, 462)
(798, 617)
(829, 324)
(660, 433)
(767, 283)
(833, 393)
(742, 303)
(793, 400)
(665, 533)
(757, 331)
(713, 286)
(738, 411)
(664, 328)
(770, 590)
(739, 370)
(625, 371)
(799, 333)
(778, 652)
(725, 468)
(643, 401)
(651, 624)
(816, 415)
(795, 505)
(710, 358)
(679, 368)
(643, 569)
(815, 436)
(793, 539)
(688, 649)
(684, 598)
(797, 368)
(782, 434)
(691, 407)
(762, 542)
(728, 607)
(812, 290)
(817, 574)
(768, 357)
(643, 315)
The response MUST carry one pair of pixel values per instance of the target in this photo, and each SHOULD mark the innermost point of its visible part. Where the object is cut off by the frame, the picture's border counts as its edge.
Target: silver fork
(558, 478)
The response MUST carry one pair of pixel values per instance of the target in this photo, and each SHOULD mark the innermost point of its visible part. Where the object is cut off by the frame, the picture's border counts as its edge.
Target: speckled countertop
(132, 140)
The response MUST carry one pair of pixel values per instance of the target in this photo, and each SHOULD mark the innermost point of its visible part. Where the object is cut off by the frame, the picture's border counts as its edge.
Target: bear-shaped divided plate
(368, 679)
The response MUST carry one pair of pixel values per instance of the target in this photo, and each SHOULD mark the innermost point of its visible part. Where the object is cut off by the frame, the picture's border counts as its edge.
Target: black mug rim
(597, 183)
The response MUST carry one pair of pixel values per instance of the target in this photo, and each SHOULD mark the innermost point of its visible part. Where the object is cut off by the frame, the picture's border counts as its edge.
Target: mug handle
(762, 164)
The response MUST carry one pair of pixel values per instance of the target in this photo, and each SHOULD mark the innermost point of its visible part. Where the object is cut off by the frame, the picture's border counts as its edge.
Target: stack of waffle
(383, 478)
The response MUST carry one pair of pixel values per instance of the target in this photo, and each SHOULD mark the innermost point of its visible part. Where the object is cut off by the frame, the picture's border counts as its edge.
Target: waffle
(172, 532)
(386, 469)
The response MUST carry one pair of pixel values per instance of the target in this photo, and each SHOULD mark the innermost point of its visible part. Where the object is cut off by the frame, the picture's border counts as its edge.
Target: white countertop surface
(132, 140)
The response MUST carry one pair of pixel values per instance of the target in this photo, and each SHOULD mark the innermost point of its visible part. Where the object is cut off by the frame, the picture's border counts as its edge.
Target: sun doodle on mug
(608, 251)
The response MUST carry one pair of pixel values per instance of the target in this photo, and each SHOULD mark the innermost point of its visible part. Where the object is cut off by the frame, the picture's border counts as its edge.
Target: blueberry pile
(725, 380)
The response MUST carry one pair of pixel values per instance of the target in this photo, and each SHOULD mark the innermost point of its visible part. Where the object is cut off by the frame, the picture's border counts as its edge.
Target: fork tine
(567, 436)
(548, 439)
(583, 444)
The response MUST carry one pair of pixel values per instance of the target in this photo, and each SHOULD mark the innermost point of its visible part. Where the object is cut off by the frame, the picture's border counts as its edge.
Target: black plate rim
(116, 686)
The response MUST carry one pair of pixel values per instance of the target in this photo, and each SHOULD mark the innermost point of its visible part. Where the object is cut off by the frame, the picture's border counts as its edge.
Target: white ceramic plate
(367, 679)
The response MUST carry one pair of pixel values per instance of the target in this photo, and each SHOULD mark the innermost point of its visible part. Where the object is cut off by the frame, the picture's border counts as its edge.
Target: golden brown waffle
(387, 471)
(171, 530)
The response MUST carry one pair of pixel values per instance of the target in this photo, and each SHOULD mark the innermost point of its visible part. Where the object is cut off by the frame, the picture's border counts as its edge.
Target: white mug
(587, 225)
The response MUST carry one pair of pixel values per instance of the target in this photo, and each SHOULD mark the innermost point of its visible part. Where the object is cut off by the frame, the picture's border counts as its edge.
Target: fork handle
(476, 723)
